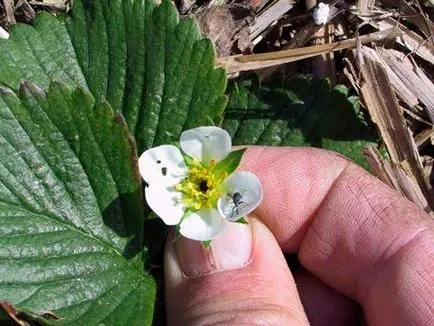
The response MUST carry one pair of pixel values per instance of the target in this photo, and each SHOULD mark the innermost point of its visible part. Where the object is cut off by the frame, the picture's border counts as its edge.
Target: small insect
(163, 171)
(236, 198)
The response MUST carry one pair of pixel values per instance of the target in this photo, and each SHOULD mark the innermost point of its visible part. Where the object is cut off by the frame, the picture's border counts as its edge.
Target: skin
(360, 244)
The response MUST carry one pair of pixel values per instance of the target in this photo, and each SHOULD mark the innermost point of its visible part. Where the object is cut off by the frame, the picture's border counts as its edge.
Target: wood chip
(185, 6)
(9, 10)
(58, 4)
(405, 94)
(412, 15)
(424, 136)
(412, 77)
(227, 26)
(305, 34)
(238, 63)
(410, 82)
(408, 39)
(364, 6)
(397, 178)
(267, 17)
(24, 11)
(380, 100)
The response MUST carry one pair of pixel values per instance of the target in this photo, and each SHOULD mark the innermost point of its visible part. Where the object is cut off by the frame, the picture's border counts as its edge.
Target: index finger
(352, 231)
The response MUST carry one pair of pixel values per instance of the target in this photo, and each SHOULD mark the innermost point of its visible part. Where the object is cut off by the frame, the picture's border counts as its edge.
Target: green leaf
(40, 54)
(155, 70)
(242, 220)
(71, 209)
(150, 66)
(230, 163)
(297, 112)
(206, 244)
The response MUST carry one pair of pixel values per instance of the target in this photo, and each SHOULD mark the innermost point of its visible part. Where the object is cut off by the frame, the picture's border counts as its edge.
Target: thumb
(242, 279)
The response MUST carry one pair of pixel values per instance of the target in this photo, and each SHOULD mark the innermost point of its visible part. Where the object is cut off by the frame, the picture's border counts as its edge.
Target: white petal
(206, 143)
(321, 13)
(203, 225)
(243, 194)
(166, 203)
(162, 166)
(3, 34)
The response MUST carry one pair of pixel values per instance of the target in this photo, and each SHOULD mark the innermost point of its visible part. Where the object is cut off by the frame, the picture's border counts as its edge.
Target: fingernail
(230, 250)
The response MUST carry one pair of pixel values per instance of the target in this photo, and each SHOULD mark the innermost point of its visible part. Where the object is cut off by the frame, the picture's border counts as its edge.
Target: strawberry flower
(195, 187)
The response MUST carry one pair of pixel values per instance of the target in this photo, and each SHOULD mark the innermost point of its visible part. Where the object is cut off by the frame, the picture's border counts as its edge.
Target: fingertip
(261, 289)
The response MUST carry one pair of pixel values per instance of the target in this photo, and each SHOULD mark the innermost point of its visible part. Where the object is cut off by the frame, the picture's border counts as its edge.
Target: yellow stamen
(201, 187)
(197, 205)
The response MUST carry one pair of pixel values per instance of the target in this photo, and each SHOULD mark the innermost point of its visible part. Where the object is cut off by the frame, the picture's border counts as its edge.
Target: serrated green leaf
(71, 209)
(147, 64)
(297, 112)
(231, 162)
(40, 53)
(150, 66)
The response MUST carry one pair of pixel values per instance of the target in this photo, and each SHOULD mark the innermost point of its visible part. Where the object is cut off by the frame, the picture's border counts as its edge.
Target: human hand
(357, 239)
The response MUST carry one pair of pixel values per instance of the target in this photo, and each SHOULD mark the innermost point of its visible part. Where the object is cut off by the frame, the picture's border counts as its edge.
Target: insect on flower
(196, 186)
(236, 198)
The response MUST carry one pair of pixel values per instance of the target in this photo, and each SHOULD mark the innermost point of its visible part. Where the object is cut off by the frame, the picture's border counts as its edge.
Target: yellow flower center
(202, 186)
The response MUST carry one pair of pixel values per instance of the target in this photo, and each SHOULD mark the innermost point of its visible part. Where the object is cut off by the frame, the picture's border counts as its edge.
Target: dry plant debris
(380, 100)
(396, 177)
(228, 27)
(238, 63)
(383, 48)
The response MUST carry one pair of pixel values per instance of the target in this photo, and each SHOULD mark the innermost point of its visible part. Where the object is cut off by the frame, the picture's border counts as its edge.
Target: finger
(324, 305)
(295, 182)
(353, 232)
(243, 279)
